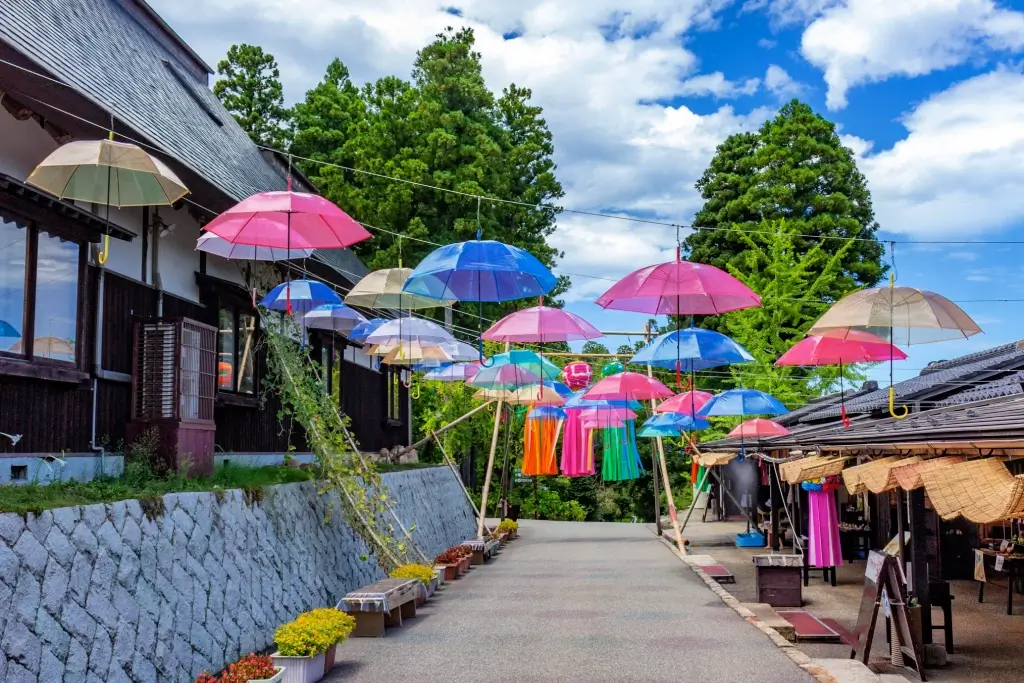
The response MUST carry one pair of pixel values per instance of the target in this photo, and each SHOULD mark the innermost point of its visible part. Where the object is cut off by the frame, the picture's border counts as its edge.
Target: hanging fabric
(620, 458)
(539, 448)
(823, 549)
(577, 454)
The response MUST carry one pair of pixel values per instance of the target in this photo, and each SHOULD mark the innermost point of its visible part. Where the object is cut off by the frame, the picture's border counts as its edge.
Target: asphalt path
(573, 602)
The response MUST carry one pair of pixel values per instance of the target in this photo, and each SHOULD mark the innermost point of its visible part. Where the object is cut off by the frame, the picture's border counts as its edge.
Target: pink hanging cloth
(823, 549)
(577, 460)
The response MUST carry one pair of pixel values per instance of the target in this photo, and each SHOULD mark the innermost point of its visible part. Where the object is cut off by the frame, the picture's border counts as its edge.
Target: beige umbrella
(534, 395)
(491, 394)
(408, 353)
(382, 289)
(47, 347)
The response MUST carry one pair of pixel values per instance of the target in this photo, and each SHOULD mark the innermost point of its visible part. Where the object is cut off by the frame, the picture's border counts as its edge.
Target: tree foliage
(251, 90)
(795, 168)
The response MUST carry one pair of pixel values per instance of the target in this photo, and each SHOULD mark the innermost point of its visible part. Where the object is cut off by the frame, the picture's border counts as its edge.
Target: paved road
(573, 602)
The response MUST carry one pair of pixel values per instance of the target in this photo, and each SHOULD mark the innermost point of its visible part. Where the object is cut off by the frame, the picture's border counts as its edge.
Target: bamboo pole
(490, 462)
(442, 430)
(668, 485)
(451, 464)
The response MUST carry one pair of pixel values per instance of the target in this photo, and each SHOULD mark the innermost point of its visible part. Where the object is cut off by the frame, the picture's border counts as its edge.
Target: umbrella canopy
(456, 372)
(626, 385)
(577, 401)
(758, 428)
(364, 330)
(686, 403)
(109, 173)
(408, 353)
(742, 402)
(691, 349)
(7, 330)
(678, 421)
(542, 394)
(506, 376)
(410, 330)
(899, 315)
(288, 220)
(300, 296)
(601, 422)
(47, 347)
(858, 346)
(382, 289)
(541, 324)
(480, 270)
(459, 350)
(679, 288)
(546, 413)
(529, 360)
(333, 317)
(490, 394)
(218, 246)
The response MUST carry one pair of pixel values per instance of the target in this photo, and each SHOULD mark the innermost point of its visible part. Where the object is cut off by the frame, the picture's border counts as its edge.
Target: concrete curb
(819, 673)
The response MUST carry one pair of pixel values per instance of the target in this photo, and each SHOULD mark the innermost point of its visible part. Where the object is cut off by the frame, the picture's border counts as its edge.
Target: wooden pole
(668, 486)
(451, 465)
(654, 461)
(490, 462)
(693, 504)
(442, 430)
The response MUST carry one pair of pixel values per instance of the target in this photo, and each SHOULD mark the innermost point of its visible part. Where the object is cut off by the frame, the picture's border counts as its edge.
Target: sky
(929, 94)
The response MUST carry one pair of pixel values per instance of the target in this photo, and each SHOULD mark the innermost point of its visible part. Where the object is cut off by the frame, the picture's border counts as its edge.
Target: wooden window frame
(239, 397)
(393, 400)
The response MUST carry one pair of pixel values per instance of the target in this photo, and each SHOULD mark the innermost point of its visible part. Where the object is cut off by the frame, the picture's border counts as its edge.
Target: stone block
(55, 586)
(32, 553)
(182, 521)
(104, 574)
(78, 623)
(131, 534)
(99, 655)
(9, 565)
(118, 513)
(102, 610)
(66, 519)
(51, 668)
(77, 662)
(11, 527)
(83, 538)
(109, 539)
(94, 515)
(81, 577)
(21, 646)
(19, 674)
(25, 600)
(52, 635)
(59, 547)
(128, 570)
(127, 606)
(39, 524)
(124, 644)
(142, 669)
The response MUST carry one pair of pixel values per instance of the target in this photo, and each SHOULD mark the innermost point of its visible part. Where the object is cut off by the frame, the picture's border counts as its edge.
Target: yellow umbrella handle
(105, 254)
(892, 411)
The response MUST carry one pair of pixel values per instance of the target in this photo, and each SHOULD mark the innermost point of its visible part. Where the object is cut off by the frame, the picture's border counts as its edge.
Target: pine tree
(251, 90)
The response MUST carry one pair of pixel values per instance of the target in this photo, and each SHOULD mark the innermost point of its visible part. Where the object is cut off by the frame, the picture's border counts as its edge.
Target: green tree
(251, 90)
(796, 169)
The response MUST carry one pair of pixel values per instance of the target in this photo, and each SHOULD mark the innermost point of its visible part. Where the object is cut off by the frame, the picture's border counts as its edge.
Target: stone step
(767, 614)
(849, 671)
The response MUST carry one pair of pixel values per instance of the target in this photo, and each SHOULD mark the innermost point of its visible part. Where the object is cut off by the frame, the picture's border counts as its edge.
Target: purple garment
(823, 548)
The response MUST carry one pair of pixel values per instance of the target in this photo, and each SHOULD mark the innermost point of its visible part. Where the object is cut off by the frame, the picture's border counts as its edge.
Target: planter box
(329, 657)
(464, 565)
(451, 571)
(503, 539)
(276, 678)
(301, 669)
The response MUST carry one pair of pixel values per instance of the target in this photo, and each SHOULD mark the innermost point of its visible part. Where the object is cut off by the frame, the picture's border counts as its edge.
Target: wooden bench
(382, 604)
(480, 550)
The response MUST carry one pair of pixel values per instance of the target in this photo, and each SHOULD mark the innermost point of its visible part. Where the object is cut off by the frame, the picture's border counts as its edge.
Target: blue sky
(928, 93)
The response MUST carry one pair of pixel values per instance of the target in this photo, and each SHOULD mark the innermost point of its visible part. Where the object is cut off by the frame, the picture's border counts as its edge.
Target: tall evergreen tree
(251, 90)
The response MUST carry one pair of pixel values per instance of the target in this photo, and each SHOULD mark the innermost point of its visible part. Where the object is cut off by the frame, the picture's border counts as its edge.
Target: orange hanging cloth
(539, 452)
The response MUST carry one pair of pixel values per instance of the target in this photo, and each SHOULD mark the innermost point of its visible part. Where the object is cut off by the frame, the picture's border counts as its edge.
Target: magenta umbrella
(686, 403)
(679, 288)
(541, 324)
(857, 347)
(627, 385)
(758, 428)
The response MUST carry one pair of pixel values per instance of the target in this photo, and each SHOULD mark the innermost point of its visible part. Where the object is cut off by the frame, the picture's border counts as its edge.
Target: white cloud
(787, 12)
(779, 83)
(863, 41)
(767, 43)
(963, 255)
(958, 172)
(718, 86)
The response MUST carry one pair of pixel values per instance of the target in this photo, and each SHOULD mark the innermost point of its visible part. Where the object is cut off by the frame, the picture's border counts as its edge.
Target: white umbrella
(405, 330)
(218, 246)
(333, 317)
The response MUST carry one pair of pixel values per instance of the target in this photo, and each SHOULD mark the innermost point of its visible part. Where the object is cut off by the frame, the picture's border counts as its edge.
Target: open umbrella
(382, 289)
(301, 296)
(456, 372)
(364, 330)
(7, 330)
(541, 394)
(628, 385)
(541, 324)
(48, 347)
(523, 359)
(333, 317)
(671, 424)
(409, 330)
(742, 402)
(758, 428)
(507, 376)
(546, 413)
(408, 353)
(686, 403)
(218, 246)
(691, 349)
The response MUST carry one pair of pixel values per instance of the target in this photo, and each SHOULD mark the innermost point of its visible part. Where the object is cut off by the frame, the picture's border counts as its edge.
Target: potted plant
(450, 561)
(467, 557)
(420, 572)
(306, 646)
(252, 668)
(510, 527)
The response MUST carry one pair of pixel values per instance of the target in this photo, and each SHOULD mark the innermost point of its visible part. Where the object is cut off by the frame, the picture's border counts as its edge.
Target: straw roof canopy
(712, 459)
(908, 474)
(814, 467)
(982, 491)
(853, 477)
(879, 476)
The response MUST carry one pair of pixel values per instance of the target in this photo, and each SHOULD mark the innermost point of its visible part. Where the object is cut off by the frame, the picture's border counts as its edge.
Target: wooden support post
(657, 493)
(490, 463)
(901, 526)
(919, 564)
(775, 495)
(443, 429)
(451, 464)
(668, 486)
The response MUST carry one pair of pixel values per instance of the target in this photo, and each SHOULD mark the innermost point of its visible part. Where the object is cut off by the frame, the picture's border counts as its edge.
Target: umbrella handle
(892, 412)
(105, 254)
(415, 396)
(484, 362)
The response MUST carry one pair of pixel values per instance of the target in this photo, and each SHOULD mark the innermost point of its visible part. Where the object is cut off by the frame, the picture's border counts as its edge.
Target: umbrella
(577, 400)
(408, 353)
(546, 393)
(7, 330)
(218, 246)
(364, 330)
(527, 360)
(671, 424)
(679, 288)
(541, 324)
(382, 289)
(333, 317)
(899, 315)
(459, 350)
(408, 330)
(758, 428)
(480, 270)
(47, 347)
(628, 385)
(546, 413)
(504, 377)
(456, 372)
(686, 403)
(691, 349)
(491, 394)
(742, 402)
(299, 295)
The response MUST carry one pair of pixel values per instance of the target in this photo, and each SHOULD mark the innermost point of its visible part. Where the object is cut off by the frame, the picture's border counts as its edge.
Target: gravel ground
(573, 602)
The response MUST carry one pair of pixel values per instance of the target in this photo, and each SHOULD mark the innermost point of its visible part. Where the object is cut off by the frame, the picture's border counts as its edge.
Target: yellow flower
(414, 571)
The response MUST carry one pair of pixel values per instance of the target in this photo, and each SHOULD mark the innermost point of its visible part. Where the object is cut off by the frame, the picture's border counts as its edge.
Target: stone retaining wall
(111, 594)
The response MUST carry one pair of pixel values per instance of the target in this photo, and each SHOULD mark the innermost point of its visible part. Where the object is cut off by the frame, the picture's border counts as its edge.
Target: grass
(36, 498)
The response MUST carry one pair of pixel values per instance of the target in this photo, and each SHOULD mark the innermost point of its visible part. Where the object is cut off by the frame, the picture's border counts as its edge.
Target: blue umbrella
(453, 372)
(577, 401)
(301, 295)
(480, 270)
(363, 330)
(742, 402)
(7, 330)
(677, 421)
(691, 349)
(546, 413)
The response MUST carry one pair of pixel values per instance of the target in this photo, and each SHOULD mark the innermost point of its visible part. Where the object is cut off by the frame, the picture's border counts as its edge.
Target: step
(848, 670)
(766, 614)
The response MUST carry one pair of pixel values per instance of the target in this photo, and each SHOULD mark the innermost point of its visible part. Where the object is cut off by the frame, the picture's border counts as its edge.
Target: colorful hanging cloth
(577, 448)
(620, 458)
(539, 453)
(823, 548)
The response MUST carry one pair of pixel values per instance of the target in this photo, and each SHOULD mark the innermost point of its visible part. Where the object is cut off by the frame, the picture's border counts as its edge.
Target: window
(236, 351)
(39, 281)
(394, 380)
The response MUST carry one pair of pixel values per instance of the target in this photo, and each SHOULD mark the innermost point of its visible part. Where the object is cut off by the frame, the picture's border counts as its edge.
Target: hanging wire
(892, 304)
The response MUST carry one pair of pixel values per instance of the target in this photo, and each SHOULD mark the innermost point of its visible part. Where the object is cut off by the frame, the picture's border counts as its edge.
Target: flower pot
(464, 565)
(451, 571)
(329, 657)
(276, 678)
(301, 669)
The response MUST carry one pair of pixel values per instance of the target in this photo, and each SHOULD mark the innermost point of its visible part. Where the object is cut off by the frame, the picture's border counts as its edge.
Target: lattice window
(174, 371)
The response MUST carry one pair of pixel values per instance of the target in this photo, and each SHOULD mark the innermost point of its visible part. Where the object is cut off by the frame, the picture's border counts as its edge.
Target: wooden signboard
(883, 574)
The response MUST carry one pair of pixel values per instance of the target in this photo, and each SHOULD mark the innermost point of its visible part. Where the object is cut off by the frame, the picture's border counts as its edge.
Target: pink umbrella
(858, 347)
(758, 428)
(541, 324)
(679, 288)
(627, 385)
(686, 403)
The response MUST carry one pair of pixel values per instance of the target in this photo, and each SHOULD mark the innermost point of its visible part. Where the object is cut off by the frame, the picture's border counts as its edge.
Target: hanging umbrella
(527, 360)
(899, 315)
(541, 324)
(364, 330)
(7, 330)
(686, 403)
(546, 413)
(742, 402)
(492, 394)
(301, 296)
(541, 394)
(504, 377)
(758, 429)
(625, 385)
(678, 420)
(333, 317)
(679, 288)
(857, 346)
(459, 350)
(218, 246)
(382, 289)
(691, 349)
(577, 401)
(408, 353)
(480, 270)
(47, 347)
(456, 372)
(409, 330)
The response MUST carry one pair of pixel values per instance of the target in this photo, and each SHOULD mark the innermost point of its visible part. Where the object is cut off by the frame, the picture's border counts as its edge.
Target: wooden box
(778, 580)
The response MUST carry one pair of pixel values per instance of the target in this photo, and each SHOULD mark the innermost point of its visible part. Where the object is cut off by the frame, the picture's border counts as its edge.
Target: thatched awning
(715, 458)
(908, 474)
(880, 476)
(982, 491)
(854, 477)
(814, 467)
